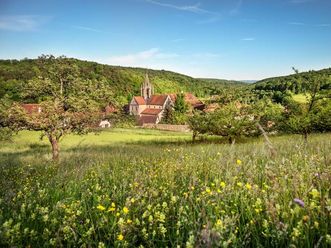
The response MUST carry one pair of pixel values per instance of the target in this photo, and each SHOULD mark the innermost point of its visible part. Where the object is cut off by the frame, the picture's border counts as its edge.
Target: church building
(149, 108)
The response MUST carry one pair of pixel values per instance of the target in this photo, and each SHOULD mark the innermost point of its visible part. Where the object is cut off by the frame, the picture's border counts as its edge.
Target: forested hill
(227, 83)
(122, 81)
(296, 83)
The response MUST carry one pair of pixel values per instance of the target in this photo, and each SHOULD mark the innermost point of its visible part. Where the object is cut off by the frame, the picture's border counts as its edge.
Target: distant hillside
(122, 81)
(296, 83)
(231, 83)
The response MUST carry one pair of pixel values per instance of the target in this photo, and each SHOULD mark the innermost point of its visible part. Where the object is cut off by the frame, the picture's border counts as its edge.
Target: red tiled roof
(158, 100)
(150, 111)
(190, 99)
(110, 109)
(147, 119)
(31, 108)
(140, 100)
(173, 97)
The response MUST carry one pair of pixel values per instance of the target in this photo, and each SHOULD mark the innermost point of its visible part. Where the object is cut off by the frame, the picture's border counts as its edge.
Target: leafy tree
(199, 123)
(5, 132)
(231, 121)
(68, 105)
(304, 120)
(180, 104)
(168, 115)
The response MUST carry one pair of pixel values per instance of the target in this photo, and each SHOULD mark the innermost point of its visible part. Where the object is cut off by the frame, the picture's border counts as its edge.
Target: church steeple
(146, 88)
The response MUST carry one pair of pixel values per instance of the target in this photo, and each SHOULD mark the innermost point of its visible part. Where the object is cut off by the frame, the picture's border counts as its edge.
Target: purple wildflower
(299, 202)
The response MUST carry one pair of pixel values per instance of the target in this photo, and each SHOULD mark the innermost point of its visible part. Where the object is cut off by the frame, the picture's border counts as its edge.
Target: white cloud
(195, 8)
(212, 19)
(248, 39)
(236, 8)
(140, 58)
(190, 8)
(22, 22)
(323, 25)
(87, 29)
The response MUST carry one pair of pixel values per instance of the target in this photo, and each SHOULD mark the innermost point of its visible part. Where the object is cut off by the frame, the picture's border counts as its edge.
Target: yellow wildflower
(315, 193)
(112, 208)
(101, 208)
(239, 184)
(239, 162)
(219, 222)
(248, 186)
(129, 221)
(208, 190)
(222, 184)
(125, 210)
(120, 237)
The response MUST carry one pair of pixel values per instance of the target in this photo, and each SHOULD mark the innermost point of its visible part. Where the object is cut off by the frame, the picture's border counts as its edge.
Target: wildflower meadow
(147, 188)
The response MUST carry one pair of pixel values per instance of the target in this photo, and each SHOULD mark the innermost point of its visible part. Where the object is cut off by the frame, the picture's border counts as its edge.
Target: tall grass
(156, 189)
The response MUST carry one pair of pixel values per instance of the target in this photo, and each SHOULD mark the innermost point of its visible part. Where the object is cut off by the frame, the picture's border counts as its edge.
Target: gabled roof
(158, 100)
(150, 111)
(189, 98)
(192, 99)
(147, 119)
(110, 109)
(140, 100)
(31, 107)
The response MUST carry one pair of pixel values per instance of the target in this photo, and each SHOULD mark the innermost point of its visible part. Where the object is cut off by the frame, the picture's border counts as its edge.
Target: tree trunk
(305, 136)
(194, 136)
(55, 147)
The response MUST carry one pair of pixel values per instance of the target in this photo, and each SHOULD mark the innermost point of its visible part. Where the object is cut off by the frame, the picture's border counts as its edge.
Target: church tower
(146, 89)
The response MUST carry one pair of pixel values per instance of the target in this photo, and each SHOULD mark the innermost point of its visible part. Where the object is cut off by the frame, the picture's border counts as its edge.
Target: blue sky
(231, 39)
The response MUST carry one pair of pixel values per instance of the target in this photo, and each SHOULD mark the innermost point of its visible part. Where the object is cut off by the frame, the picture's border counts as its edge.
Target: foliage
(229, 121)
(68, 105)
(168, 115)
(107, 194)
(180, 105)
(296, 83)
(304, 118)
(121, 81)
(5, 132)
(121, 120)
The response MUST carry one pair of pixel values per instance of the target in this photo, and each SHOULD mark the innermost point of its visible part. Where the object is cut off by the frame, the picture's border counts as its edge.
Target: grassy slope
(300, 98)
(176, 194)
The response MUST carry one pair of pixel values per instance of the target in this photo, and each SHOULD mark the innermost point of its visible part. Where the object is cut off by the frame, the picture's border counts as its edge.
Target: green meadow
(149, 188)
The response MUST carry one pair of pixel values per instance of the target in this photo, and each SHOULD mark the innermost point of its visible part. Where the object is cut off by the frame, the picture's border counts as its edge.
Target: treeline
(123, 82)
(298, 83)
(245, 112)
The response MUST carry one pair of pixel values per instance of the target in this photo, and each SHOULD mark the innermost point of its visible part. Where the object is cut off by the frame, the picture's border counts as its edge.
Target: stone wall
(167, 127)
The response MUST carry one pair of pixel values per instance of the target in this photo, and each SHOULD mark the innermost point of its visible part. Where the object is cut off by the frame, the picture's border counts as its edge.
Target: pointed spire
(147, 88)
(146, 79)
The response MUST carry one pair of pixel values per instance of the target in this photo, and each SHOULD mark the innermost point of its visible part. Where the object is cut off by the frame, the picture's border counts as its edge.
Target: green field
(134, 187)
(300, 98)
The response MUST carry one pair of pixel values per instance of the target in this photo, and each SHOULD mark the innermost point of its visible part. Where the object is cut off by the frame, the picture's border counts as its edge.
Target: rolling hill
(122, 81)
(296, 83)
